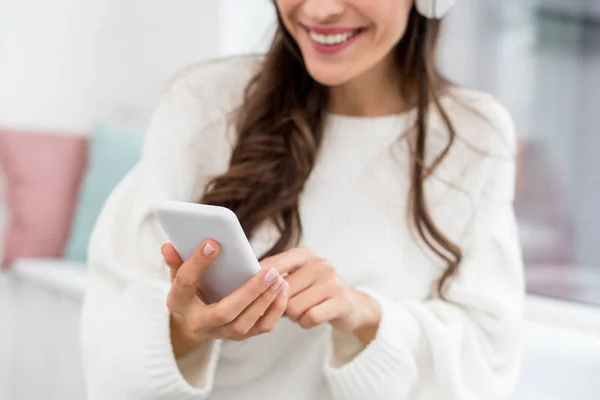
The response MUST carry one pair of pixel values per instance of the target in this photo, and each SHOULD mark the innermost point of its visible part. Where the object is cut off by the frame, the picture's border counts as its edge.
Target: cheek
(391, 20)
(287, 9)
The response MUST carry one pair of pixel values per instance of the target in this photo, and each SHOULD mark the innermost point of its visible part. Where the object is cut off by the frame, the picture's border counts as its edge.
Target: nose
(324, 11)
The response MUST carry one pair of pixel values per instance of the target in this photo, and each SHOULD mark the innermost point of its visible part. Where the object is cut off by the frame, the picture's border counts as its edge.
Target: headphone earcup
(434, 9)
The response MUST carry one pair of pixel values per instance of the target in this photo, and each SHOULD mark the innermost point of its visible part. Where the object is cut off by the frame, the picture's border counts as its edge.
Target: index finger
(171, 258)
(230, 307)
(184, 285)
(289, 260)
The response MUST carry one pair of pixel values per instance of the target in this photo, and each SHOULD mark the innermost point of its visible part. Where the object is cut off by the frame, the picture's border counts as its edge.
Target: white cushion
(66, 277)
(560, 363)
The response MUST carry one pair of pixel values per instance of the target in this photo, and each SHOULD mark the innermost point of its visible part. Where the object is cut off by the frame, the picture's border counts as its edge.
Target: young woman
(377, 195)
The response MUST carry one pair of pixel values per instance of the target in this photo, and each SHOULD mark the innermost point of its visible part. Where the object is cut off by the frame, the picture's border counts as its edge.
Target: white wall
(65, 63)
(45, 62)
(141, 44)
(247, 26)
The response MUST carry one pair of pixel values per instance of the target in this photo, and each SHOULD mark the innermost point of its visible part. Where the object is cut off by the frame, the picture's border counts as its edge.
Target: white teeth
(331, 40)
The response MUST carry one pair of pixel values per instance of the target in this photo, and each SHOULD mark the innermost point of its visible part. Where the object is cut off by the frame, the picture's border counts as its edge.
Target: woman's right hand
(253, 309)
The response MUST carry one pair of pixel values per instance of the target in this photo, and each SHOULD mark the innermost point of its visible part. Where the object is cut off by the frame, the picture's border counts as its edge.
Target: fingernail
(162, 249)
(208, 249)
(271, 275)
(285, 290)
(275, 287)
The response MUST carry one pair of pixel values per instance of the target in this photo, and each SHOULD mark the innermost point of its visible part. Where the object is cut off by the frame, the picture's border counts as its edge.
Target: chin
(329, 75)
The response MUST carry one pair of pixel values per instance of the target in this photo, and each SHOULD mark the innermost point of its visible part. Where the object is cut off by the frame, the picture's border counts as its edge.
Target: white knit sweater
(354, 213)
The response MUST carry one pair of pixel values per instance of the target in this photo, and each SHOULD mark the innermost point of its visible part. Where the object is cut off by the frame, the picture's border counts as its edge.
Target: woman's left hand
(317, 295)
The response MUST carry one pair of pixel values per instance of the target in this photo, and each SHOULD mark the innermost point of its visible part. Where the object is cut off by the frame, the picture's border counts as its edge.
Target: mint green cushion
(113, 151)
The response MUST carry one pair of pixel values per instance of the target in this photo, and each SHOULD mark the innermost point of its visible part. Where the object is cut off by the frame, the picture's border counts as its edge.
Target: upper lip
(330, 31)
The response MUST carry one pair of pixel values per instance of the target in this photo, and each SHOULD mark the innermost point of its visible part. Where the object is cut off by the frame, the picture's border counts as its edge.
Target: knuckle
(182, 280)
(194, 323)
(303, 249)
(172, 303)
(328, 276)
(311, 316)
(292, 317)
(309, 320)
(222, 316)
(344, 295)
(347, 308)
(305, 323)
(216, 334)
(238, 329)
(325, 263)
(301, 253)
(193, 326)
(266, 326)
(293, 312)
(338, 289)
(325, 266)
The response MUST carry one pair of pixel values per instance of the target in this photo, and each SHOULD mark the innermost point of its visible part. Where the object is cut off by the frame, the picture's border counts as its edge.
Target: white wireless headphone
(434, 9)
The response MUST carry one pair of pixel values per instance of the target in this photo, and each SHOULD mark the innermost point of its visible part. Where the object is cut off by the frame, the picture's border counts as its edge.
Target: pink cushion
(42, 173)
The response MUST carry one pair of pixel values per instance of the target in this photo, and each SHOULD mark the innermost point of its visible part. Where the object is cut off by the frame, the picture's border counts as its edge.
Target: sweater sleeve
(466, 347)
(125, 323)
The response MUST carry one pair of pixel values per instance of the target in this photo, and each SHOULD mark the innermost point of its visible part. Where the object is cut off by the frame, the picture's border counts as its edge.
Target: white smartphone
(187, 225)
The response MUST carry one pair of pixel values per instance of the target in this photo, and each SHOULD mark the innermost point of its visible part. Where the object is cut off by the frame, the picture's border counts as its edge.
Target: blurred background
(79, 81)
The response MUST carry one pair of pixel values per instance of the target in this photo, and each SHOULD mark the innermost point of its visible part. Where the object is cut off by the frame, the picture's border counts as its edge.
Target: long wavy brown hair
(280, 128)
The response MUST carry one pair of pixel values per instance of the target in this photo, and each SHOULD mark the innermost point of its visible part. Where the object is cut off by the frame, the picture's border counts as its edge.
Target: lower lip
(336, 48)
